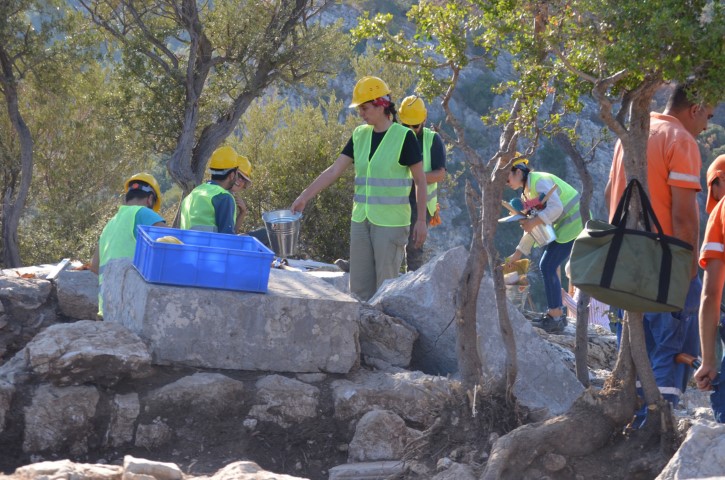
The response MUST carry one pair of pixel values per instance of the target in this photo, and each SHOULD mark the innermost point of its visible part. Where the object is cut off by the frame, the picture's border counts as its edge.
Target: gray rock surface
(65, 469)
(86, 352)
(60, 418)
(424, 299)
(456, 471)
(77, 292)
(248, 471)
(367, 470)
(153, 435)
(379, 435)
(124, 412)
(300, 325)
(414, 396)
(285, 401)
(339, 280)
(201, 394)
(155, 470)
(24, 293)
(7, 391)
(701, 455)
(385, 338)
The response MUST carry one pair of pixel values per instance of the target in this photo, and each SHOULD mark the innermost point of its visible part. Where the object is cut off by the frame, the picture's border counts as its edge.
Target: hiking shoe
(343, 264)
(550, 324)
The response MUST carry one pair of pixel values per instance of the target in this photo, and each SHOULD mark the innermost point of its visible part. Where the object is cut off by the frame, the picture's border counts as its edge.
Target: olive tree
(31, 43)
(194, 68)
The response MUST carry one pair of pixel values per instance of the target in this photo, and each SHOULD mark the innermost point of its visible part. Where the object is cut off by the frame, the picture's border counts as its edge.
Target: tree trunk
(582, 308)
(469, 361)
(14, 201)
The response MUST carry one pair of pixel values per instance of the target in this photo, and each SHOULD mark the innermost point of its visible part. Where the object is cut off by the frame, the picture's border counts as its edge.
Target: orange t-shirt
(714, 244)
(673, 160)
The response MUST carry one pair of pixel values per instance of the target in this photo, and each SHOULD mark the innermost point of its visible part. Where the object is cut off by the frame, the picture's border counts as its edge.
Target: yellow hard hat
(224, 158)
(524, 162)
(367, 89)
(245, 168)
(412, 110)
(148, 179)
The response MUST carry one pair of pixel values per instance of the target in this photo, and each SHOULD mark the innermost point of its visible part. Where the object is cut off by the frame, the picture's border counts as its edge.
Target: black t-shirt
(409, 155)
(437, 159)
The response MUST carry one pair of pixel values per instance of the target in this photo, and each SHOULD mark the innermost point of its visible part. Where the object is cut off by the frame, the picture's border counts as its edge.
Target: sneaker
(550, 324)
(343, 264)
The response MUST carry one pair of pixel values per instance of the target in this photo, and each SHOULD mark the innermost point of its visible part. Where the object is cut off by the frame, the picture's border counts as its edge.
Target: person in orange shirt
(673, 177)
(712, 260)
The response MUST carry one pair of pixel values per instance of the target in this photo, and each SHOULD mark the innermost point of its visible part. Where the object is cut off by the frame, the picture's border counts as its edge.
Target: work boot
(343, 264)
(550, 324)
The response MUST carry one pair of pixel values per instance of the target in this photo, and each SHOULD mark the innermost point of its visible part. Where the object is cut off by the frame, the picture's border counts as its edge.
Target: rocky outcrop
(425, 299)
(701, 454)
(86, 352)
(385, 339)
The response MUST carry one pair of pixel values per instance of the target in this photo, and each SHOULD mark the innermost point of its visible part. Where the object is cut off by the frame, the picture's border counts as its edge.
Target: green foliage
(288, 148)
(81, 162)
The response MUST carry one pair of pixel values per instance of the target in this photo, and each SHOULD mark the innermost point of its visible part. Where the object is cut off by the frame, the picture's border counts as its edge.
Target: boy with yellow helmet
(387, 161)
(118, 239)
(413, 115)
(211, 206)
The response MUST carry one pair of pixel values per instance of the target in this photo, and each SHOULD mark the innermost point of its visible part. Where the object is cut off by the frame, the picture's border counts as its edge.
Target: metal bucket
(543, 234)
(283, 230)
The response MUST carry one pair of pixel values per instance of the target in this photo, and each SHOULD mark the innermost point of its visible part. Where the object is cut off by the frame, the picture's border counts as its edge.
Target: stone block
(77, 292)
(368, 470)
(60, 419)
(300, 325)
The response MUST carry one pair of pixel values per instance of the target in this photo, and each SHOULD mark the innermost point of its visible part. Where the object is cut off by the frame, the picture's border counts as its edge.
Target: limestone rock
(157, 470)
(65, 469)
(300, 325)
(285, 400)
(339, 280)
(424, 298)
(201, 394)
(700, 455)
(124, 412)
(414, 396)
(24, 293)
(379, 435)
(367, 470)
(154, 434)
(385, 338)
(456, 471)
(87, 352)
(249, 471)
(60, 418)
(77, 292)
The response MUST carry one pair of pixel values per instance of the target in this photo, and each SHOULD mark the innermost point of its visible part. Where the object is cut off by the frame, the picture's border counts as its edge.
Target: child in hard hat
(712, 260)
(118, 239)
(562, 213)
(211, 207)
(413, 115)
(387, 161)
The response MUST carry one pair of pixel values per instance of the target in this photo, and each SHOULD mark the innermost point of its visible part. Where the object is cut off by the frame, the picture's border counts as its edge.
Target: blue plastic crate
(207, 260)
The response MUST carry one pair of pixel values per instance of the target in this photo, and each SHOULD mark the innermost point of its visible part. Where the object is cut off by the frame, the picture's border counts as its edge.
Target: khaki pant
(376, 254)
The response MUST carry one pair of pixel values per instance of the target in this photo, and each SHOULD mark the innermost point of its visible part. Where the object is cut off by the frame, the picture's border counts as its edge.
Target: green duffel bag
(639, 271)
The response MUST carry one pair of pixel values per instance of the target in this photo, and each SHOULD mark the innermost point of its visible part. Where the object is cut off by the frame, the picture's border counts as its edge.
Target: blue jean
(666, 335)
(717, 396)
(555, 254)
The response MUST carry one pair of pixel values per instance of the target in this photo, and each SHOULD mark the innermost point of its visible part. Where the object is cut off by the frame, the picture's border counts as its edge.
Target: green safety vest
(382, 185)
(432, 189)
(117, 241)
(569, 224)
(197, 211)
